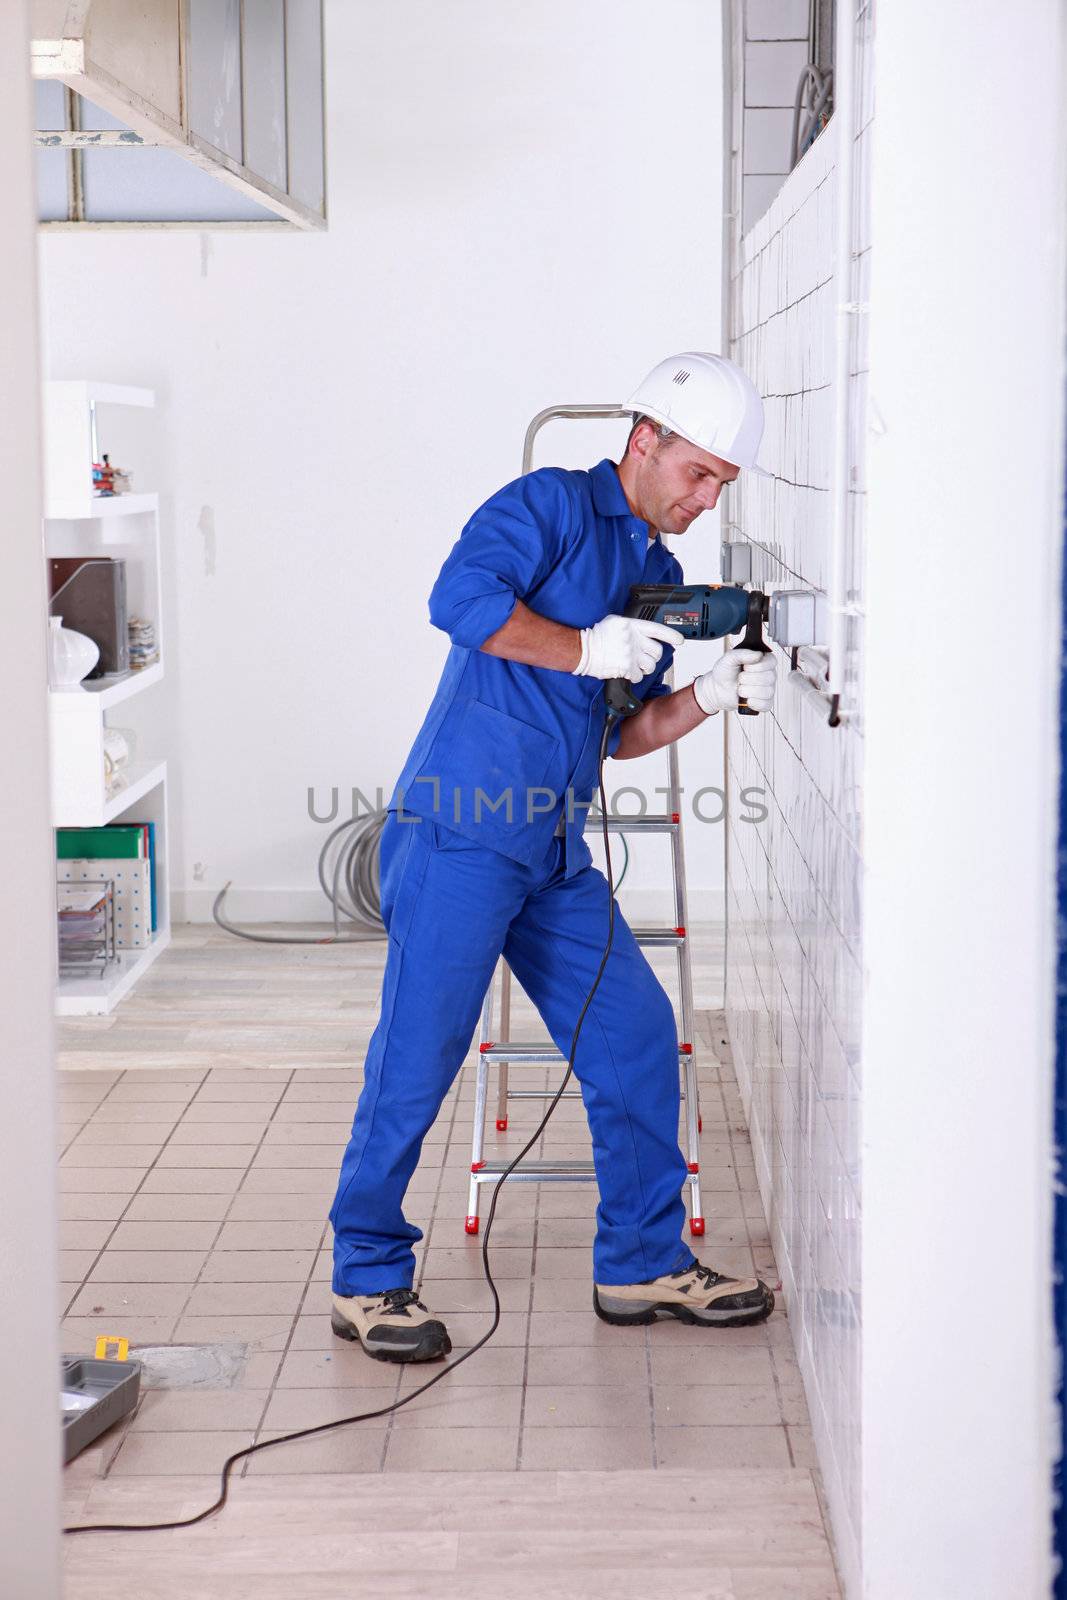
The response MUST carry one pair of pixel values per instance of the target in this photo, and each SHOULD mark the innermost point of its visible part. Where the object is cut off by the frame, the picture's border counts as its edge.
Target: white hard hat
(709, 401)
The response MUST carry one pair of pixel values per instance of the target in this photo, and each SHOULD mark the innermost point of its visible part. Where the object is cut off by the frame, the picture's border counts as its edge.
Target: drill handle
(620, 699)
(753, 640)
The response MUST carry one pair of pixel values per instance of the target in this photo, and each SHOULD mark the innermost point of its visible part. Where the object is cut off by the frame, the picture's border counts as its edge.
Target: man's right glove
(623, 647)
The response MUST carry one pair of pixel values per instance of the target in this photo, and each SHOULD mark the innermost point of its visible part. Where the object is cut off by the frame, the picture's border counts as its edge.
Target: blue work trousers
(451, 907)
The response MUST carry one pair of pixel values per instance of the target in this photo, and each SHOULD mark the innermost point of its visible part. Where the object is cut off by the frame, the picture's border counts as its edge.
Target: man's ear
(642, 440)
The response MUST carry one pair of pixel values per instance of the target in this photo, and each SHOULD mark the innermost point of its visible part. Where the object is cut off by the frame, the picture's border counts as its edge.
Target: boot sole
(432, 1348)
(662, 1308)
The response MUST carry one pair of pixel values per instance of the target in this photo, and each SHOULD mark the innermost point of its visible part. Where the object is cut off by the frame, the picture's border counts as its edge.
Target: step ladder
(495, 1044)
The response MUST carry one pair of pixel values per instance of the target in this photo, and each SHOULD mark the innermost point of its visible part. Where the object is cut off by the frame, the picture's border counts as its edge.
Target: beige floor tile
(715, 1447)
(90, 1236)
(78, 1334)
(99, 1180)
(244, 1299)
(305, 1234)
(471, 1295)
(84, 1157)
(721, 1363)
(120, 1133)
(342, 1366)
(562, 1294)
(248, 1207)
(118, 1300)
(359, 1448)
(495, 1366)
(183, 1180)
(164, 1236)
(91, 1207)
(199, 1411)
(465, 1261)
(310, 1408)
(464, 1406)
(234, 1157)
(577, 1405)
(488, 1449)
(588, 1365)
(694, 1404)
(148, 1266)
(598, 1449)
(178, 1208)
(258, 1266)
(258, 1332)
(581, 1328)
(75, 1260)
(166, 1454)
(218, 1133)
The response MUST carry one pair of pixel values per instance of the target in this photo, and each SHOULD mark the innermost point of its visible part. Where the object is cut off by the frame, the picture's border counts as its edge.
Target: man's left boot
(695, 1294)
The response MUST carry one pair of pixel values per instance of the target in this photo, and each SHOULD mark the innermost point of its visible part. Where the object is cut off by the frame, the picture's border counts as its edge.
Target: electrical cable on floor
(350, 883)
(384, 1411)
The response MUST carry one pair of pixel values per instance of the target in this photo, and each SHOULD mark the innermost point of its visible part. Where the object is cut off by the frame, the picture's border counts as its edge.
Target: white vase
(70, 655)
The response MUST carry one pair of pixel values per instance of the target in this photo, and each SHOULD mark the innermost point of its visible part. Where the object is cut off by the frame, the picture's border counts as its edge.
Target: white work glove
(623, 647)
(748, 674)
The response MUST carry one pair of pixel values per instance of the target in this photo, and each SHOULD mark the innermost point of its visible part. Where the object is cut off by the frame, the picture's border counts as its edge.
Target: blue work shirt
(506, 749)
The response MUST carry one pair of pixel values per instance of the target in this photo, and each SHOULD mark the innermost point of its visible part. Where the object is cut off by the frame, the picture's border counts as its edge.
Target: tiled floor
(194, 1194)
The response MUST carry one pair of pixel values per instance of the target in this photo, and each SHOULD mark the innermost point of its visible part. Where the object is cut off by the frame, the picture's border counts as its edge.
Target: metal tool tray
(95, 1394)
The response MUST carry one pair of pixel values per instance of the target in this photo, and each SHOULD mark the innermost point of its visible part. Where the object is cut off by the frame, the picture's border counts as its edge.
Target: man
(483, 854)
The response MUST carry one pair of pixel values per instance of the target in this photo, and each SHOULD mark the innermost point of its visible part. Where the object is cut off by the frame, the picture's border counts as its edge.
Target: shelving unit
(79, 523)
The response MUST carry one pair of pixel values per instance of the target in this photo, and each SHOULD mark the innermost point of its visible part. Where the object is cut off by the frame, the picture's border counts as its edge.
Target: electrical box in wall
(737, 562)
(797, 617)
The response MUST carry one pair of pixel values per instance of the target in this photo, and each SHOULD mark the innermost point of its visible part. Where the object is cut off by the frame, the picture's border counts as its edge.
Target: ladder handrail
(576, 411)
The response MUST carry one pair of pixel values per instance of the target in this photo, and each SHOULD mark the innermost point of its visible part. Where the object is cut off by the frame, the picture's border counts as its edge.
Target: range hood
(164, 112)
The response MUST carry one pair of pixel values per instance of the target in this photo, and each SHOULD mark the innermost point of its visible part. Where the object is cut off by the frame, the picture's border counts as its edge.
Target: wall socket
(736, 563)
(797, 617)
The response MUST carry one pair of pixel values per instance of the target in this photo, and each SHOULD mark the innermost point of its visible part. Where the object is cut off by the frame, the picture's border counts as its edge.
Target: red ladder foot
(501, 1124)
(696, 1226)
(471, 1225)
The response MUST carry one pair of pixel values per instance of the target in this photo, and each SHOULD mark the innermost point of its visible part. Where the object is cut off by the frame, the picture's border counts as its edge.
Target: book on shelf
(124, 852)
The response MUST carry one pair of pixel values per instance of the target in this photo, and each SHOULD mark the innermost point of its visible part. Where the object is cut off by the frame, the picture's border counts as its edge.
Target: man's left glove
(748, 674)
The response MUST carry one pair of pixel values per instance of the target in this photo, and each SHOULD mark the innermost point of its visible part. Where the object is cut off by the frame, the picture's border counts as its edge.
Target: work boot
(694, 1294)
(392, 1325)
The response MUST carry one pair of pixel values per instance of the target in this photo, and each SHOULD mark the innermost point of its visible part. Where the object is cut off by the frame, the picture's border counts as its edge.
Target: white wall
(962, 664)
(511, 224)
(29, 1267)
(794, 959)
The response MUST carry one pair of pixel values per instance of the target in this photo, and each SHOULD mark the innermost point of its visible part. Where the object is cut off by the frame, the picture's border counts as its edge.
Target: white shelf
(110, 691)
(98, 996)
(142, 778)
(95, 814)
(78, 523)
(117, 394)
(92, 506)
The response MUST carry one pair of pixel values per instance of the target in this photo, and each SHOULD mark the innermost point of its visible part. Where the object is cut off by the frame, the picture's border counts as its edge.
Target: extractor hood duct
(231, 88)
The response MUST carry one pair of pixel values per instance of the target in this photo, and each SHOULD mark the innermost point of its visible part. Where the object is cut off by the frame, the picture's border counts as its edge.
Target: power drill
(698, 611)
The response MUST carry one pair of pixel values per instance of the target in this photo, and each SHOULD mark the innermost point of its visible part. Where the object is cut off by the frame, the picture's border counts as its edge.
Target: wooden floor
(201, 1129)
(737, 1535)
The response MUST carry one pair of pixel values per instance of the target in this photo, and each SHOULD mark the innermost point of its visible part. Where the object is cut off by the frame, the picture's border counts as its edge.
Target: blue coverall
(467, 875)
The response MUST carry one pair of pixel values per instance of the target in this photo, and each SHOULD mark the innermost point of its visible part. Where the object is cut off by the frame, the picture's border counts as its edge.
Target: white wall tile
(776, 19)
(767, 137)
(772, 73)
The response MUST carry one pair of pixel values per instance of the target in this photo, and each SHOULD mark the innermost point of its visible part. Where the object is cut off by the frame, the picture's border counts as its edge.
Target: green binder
(96, 844)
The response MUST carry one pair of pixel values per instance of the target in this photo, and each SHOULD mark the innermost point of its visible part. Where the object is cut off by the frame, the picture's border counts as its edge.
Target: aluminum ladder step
(532, 1050)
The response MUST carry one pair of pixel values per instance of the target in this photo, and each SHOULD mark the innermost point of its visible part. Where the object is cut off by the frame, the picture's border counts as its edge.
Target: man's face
(673, 480)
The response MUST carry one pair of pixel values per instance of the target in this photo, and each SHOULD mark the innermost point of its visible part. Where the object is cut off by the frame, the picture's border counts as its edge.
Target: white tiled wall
(774, 48)
(794, 882)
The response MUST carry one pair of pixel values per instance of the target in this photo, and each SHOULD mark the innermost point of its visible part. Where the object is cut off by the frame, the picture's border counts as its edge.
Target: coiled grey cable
(351, 883)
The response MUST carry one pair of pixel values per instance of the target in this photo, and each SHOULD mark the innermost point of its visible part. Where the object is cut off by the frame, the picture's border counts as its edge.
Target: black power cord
(384, 1411)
